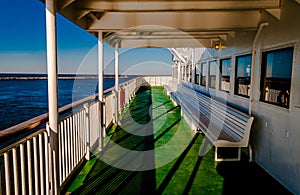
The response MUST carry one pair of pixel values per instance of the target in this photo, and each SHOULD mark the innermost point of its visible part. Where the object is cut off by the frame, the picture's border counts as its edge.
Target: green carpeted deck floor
(153, 151)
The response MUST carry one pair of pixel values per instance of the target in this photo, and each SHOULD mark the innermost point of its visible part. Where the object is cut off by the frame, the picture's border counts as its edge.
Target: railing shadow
(106, 178)
(175, 167)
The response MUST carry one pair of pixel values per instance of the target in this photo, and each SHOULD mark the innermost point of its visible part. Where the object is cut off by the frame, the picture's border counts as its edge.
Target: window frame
(210, 76)
(263, 77)
(201, 74)
(221, 74)
(197, 74)
(236, 81)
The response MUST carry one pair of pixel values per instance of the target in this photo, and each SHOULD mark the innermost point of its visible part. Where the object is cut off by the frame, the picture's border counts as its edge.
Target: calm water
(21, 100)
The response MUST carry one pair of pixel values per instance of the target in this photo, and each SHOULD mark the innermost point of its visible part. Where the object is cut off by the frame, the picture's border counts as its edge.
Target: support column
(190, 75)
(116, 83)
(193, 66)
(179, 72)
(100, 66)
(101, 89)
(183, 71)
(52, 96)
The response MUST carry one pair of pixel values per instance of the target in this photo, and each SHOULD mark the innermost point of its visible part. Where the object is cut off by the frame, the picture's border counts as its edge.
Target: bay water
(21, 100)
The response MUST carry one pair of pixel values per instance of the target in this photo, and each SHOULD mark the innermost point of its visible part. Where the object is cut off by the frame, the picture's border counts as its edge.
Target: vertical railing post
(179, 71)
(52, 94)
(7, 173)
(87, 132)
(101, 116)
(193, 66)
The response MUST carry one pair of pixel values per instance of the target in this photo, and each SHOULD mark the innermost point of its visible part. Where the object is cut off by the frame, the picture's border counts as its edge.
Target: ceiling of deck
(167, 23)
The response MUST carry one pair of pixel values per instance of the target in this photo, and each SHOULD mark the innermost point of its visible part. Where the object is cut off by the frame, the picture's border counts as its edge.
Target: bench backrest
(234, 123)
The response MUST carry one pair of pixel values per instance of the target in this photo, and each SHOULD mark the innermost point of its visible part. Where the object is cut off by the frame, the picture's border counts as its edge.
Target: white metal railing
(72, 142)
(108, 110)
(157, 80)
(94, 138)
(25, 164)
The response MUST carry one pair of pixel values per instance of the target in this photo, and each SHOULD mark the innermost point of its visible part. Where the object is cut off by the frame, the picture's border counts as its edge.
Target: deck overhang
(162, 23)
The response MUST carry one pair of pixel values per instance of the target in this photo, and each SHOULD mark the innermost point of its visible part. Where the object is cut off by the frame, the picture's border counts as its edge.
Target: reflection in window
(243, 75)
(196, 74)
(276, 76)
(203, 73)
(212, 74)
(225, 74)
(186, 72)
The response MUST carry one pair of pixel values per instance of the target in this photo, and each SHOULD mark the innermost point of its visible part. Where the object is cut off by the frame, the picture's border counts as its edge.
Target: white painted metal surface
(100, 86)
(116, 92)
(193, 66)
(25, 172)
(78, 133)
(274, 149)
(52, 90)
(100, 65)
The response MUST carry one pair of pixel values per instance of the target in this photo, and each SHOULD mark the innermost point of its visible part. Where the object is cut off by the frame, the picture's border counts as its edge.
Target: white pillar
(101, 89)
(100, 66)
(184, 72)
(52, 95)
(190, 75)
(193, 66)
(116, 83)
(179, 72)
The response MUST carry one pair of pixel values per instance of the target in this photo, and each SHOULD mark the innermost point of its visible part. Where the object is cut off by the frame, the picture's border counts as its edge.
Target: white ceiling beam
(164, 43)
(167, 37)
(170, 33)
(275, 13)
(93, 17)
(80, 14)
(194, 21)
(132, 6)
(62, 4)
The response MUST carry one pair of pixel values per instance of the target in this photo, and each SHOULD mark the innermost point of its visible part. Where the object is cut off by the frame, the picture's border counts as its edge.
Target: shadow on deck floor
(153, 129)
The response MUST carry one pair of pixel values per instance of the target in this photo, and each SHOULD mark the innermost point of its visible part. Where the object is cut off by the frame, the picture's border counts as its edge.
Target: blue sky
(23, 45)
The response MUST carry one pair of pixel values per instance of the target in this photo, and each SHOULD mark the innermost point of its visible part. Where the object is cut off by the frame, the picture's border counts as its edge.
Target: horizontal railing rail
(43, 118)
(72, 142)
(79, 133)
(26, 165)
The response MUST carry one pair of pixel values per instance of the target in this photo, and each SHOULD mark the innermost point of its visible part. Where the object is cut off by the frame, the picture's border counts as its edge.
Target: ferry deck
(225, 122)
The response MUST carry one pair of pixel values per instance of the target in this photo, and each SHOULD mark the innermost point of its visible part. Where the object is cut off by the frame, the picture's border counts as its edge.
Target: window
(212, 74)
(203, 73)
(196, 74)
(187, 71)
(225, 74)
(243, 75)
(191, 73)
(276, 76)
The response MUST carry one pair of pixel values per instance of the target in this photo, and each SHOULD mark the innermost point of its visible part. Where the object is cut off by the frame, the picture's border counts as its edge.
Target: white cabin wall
(275, 134)
(276, 131)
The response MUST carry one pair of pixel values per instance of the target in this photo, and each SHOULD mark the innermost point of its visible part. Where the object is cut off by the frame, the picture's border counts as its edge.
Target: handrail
(43, 118)
(36, 121)
(78, 133)
(23, 140)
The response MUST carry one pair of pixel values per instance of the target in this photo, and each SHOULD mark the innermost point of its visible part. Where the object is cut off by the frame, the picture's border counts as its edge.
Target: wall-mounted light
(218, 45)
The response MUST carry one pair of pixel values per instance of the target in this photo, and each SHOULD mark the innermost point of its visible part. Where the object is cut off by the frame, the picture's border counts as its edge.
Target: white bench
(223, 125)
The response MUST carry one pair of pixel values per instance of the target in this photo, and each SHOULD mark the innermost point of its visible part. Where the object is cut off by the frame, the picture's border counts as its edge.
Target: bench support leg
(228, 159)
(250, 153)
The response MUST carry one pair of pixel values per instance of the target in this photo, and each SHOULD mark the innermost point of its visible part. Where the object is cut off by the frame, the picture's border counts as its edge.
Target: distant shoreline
(64, 77)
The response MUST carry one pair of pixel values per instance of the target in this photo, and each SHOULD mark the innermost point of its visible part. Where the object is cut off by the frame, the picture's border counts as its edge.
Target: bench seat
(223, 125)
